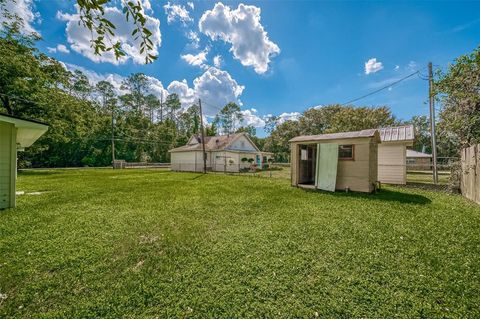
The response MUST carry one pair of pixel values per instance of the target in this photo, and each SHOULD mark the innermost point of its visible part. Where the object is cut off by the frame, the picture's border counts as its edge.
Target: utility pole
(113, 137)
(161, 107)
(432, 122)
(203, 138)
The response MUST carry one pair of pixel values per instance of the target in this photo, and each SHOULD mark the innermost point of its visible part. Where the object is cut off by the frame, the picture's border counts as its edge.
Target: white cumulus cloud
(241, 28)
(216, 88)
(185, 93)
(194, 39)
(13, 10)
(373, 66)
(198, 59)
(59, 48)
(176, 12)
(79, 37)
(251, 117)
(288, 116)
(217, 61)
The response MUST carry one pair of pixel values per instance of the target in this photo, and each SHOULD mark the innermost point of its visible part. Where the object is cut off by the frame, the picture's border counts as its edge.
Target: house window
(345, 152)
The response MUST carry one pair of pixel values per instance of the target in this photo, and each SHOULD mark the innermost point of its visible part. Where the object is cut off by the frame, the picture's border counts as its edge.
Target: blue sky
(309, 53)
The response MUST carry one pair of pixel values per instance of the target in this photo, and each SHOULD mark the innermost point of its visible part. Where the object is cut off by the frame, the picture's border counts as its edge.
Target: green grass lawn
(425, 177)
(156, 244)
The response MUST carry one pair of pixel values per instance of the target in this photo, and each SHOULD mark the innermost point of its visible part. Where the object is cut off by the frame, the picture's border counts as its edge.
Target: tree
(106, 94)
(173, 104)
(271, 122)
(92, 16)
(249, 129)
(189, 121)
(277, 142)
(228, 117)
(422, 142)
(152, 104)
(459, 93)
(211, 130)
(80, 85)
(351, 118)
(24, 72)
(318, 120)
(137, 85)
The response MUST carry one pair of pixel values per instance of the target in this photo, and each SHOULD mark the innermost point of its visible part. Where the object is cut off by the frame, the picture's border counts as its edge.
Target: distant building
(419, 161)
(224, 153)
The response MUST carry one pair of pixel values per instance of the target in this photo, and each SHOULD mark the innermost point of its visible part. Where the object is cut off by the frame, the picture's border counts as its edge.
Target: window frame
(352, 158)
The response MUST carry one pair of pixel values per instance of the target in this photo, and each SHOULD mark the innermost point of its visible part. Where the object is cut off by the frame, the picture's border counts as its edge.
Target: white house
(224, 153)
(392, 154)
(15, 134)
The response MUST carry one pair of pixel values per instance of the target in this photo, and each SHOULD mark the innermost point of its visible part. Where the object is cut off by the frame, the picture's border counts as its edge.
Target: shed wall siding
(392, 164)
(358, 174)
(8, 156)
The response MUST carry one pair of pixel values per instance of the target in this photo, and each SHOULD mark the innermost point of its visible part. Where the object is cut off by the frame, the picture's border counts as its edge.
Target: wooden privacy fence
(470, 180)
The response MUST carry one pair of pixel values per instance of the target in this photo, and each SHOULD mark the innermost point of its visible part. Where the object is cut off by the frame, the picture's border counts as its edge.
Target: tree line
(80, 113)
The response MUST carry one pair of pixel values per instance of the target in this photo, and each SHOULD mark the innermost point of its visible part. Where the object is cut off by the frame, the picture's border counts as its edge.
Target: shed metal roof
(397, 133)
(413, 153)
(335, 136)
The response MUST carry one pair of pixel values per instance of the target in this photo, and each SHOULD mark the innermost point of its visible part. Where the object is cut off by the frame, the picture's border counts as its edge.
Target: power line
(13, 97)
(382, 88)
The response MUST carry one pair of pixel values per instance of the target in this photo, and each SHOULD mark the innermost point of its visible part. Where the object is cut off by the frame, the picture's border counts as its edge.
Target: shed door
(327, 160)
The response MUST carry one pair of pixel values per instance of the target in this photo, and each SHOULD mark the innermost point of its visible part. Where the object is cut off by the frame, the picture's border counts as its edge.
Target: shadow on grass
(427, 186)
(385, 195)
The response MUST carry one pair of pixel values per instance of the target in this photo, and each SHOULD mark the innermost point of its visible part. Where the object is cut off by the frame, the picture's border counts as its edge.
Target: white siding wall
(392, 163)
(189, 161)
(184, 161)
(233, 161)
(7, 165)
(242, 144)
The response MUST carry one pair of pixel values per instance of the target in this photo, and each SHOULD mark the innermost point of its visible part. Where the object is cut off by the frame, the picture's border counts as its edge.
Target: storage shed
(342, 161)
(392, 154)
(15, 134)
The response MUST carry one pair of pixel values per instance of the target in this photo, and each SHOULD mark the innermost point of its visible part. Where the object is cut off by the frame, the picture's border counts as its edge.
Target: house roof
(336, 136)
(28, 131)
(412, 153)
(212, 143)
(397, 133)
